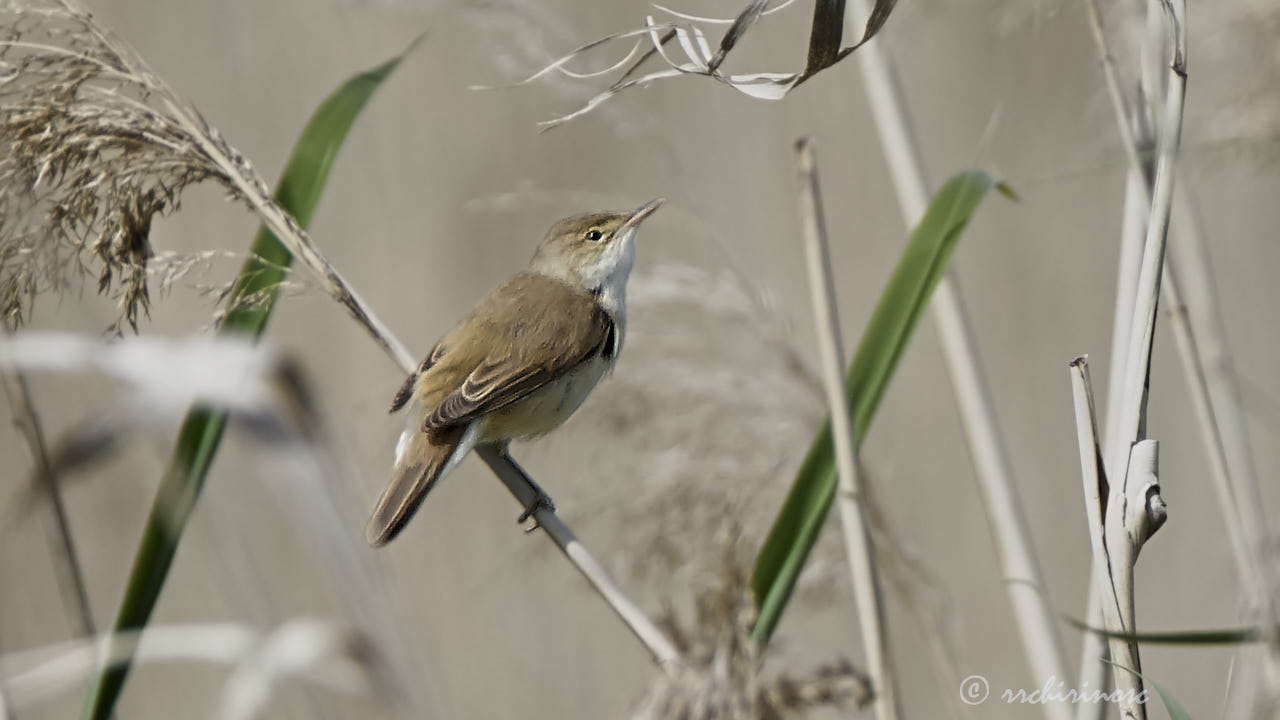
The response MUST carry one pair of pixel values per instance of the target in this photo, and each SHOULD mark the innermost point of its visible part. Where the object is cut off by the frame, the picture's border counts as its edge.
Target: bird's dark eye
(593, 235)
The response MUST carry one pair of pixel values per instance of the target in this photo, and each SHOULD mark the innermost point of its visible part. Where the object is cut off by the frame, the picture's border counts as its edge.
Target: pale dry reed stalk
(1024, 581)
(1133, 122)
(1205, 357)
(1125, 468)
(1206, 360)
(321, 652)
(852, 497)
(45, 485)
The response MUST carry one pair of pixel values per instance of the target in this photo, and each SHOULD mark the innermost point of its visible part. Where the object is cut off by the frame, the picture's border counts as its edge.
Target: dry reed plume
(91, 155)
(722, 678)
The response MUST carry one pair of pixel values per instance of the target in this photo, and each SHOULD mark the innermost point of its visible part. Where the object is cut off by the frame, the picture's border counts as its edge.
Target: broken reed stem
(1121, 518)
(849, 499)
(1036, 619)
(66, 561)
(1237, 492)
(1129, 388)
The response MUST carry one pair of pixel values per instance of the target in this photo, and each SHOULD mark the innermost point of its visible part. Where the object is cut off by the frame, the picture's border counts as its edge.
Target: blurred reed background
(441, 191)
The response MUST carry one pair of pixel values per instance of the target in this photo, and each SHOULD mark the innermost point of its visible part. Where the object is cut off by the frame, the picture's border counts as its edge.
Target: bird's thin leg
(541, 500)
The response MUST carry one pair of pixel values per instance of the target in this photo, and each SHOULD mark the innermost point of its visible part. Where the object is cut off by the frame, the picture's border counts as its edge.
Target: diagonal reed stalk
(75, 593)
(1024, 581)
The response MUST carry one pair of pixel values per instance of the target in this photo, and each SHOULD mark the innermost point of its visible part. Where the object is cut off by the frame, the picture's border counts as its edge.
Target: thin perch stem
(853, 511)
(522, 487)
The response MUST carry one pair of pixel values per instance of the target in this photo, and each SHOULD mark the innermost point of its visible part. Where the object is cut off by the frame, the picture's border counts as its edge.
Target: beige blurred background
(442, 191)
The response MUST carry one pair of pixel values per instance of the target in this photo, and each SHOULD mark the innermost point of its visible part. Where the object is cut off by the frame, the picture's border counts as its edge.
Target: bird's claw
(541, 501)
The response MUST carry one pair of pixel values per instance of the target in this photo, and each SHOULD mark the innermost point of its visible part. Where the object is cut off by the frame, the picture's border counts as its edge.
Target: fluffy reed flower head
(92, 147)
(722, 678)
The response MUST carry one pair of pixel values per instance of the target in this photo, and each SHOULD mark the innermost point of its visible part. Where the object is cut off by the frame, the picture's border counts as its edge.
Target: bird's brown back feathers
(528, 332)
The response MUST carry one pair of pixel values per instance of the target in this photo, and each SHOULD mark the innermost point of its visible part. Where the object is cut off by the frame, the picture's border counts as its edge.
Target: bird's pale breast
(548, 407)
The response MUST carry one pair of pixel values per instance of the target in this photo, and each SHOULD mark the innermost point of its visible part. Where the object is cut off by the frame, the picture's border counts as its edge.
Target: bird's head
(593, 251)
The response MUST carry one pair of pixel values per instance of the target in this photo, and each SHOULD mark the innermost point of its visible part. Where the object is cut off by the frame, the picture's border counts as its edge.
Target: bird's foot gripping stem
(541, 501)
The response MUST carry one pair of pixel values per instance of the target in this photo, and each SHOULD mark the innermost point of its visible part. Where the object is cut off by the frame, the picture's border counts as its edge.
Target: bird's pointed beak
(641, 213)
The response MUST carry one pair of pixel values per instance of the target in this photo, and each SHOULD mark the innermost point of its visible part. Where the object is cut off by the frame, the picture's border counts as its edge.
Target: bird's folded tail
(421, 460)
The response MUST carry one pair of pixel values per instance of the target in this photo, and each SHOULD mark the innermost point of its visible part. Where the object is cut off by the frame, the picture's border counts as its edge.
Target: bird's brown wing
(525, 334)
(553, 336)
(406, 390)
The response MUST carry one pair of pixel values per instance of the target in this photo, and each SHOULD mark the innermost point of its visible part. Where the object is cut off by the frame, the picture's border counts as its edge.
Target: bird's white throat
(607, 277)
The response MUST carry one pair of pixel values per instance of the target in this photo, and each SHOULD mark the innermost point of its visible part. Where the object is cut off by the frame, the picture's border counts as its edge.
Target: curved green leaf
(901, 305)
(249, 306)
(1228, 636)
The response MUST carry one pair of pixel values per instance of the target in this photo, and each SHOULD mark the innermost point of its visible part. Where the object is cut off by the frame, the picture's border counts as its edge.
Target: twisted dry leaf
(824, 50)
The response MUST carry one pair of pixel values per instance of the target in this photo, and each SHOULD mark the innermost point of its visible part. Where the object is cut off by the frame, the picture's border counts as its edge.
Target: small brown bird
(520, 364)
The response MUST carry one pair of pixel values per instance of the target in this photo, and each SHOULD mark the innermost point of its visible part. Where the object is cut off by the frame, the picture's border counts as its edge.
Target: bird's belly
(548, 407)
